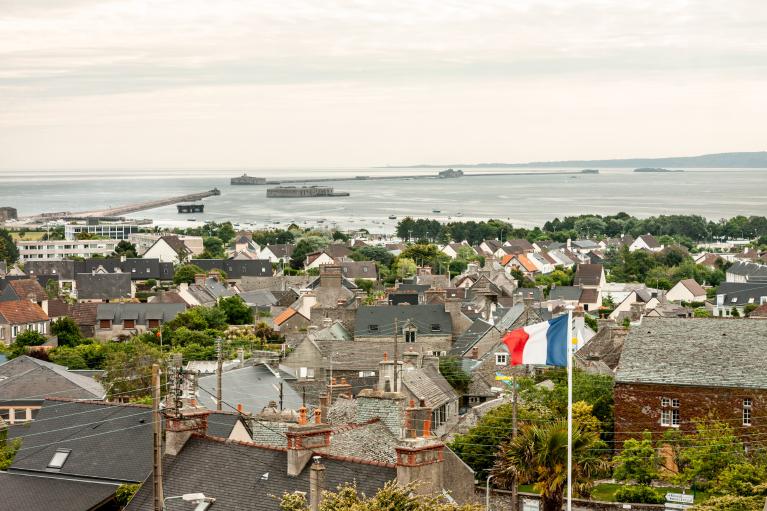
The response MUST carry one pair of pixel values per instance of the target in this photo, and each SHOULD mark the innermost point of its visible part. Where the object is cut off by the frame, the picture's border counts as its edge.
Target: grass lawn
(28, 236)
(606, 492)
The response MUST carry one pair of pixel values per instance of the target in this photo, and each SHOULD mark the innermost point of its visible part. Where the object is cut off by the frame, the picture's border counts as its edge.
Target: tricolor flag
(542, 343)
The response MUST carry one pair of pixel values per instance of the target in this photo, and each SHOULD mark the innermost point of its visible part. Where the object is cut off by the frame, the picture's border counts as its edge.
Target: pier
(128, 208)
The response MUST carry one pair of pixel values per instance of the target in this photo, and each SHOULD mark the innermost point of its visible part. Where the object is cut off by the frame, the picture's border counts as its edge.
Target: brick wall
(638, 408)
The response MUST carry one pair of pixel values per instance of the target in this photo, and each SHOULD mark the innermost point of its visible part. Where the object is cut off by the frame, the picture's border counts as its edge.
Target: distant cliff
(754, 160)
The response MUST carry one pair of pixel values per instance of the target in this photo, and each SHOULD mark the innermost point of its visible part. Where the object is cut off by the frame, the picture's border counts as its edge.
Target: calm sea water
(524, 200)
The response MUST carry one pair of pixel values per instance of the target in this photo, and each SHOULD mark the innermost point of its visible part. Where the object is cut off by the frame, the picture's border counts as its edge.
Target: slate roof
(178, 246)
(747, 269)
(103, 286)
(167, 297)
(427, 383)
(236, 269)
(354, 356)
(589, 296)
(210, 291)
(359, 269)
(742, 293)
(21, 492)
(259, 298)
(234, 474)
(281, 250)
(650, 240)
(605, 346)
(588, 275)
(65, 269)
(422, 316)
(470, 337)
(521, 245)
(250, 386)
(221, 424)
(25, 378)
(84, 314)
(372, 441)
(702, 352)
(107, 441)
(140, 312)
(20, 312)
(567, 293)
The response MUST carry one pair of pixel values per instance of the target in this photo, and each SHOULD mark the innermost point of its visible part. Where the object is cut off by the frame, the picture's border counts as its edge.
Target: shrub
(639, 494)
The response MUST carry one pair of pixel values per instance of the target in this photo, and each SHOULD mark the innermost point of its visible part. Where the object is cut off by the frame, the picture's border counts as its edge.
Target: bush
(639, 494)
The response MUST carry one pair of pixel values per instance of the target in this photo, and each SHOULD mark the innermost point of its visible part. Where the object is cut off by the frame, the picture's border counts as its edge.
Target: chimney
(417, 419)
(430, 361)
(241, 356)
(331, 275)
(302, 439)
(325, 405)
(603, 323)
(316, 484)
(424, 270)
(528, 300)
(637, 309)
(421, 460)
(430, 294)
(338, 388)
(569, 243)
(387, 373)
(199, 279)
(410, 358)
(474, 354)
(179, 428)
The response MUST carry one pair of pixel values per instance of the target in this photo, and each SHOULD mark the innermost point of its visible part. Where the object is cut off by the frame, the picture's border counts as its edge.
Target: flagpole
(569, 408)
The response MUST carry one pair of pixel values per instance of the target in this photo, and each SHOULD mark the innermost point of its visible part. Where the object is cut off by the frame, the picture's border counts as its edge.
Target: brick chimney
(474, 353)
(424, 270)
(338, 388)
(200, 278)
(331, 275)
(637, 309)
(417, 419)
(430, 360)
(180, 427)
(458, 319)
(528, 300)
(421, 459)
(303, 438)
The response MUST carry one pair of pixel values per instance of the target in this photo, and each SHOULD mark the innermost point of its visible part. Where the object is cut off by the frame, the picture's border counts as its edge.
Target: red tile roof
(29, 289)
(284, 316)
(21, 312)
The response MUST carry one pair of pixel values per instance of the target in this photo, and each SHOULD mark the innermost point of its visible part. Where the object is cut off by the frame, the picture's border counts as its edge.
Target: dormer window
(58, 459)
(373, 328)
(410, 335)
(435, 327)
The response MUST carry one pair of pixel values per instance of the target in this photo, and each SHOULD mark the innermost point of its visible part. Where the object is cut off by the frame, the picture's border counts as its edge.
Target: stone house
(128, 319)
(17, 316)
(426, 325)
(673, 371)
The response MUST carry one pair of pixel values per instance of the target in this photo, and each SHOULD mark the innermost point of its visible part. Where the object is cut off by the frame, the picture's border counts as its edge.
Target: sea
(523, 197)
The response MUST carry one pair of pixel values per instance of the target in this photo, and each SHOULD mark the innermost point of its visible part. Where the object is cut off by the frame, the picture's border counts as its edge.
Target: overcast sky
(297, 83)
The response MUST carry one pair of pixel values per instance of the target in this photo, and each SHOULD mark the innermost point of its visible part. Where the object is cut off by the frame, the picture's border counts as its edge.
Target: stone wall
(345, 316)
(638, 408)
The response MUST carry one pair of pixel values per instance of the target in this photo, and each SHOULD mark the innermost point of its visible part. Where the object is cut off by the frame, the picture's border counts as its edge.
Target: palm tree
(539, 456)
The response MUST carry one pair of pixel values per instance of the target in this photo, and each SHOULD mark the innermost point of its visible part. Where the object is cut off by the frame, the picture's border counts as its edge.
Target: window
(435, 327)
(439, 416)
(410, 335)
(373, 328)
(669, 414)
(153, 323)
(129, 323)
(59, 458)
(438, 353)
(105, 323)
(306, 372)
(14, 331)
(363, 374)
(501, 359)
(747, 406)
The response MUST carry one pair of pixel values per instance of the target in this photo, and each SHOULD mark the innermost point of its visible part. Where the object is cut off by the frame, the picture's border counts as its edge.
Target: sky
(105, 84)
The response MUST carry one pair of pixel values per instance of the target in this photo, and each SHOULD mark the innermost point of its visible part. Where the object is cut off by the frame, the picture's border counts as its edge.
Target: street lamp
(487, 492)
(200, 499)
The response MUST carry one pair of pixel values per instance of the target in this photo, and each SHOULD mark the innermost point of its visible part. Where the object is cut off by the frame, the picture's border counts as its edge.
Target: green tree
(539, 456)
(29, 338)
(405, 267)
(304, 247)
(638, 461)
(214, 248)
(375, 253)
(590, 226)
(710, 450)
(450, 368)
(8, 251)
(126, 248)
(67, 331)
(129, 369)
(7, 448)
(125, 493)
(185, 273)
(391, 497)
(365, 284)
(236, 310)
(68, 357)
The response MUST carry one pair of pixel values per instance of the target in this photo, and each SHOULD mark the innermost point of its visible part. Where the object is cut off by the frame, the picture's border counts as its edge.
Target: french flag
(541, 344)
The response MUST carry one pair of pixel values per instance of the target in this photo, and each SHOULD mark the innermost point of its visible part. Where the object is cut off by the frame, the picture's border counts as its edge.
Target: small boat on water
(436, 211)
(392, 217)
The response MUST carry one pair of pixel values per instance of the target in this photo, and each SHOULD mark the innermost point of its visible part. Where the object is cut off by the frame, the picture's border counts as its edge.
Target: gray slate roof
(701, 352)
(747, 269)
(21, 492)
(470, 337)
(250, 386)
(103, 286)
(140, 312)
(236, 269)
(423, 316)
(740, 293)
(427, 383)
(234, 474)
(25, 378)
(107, 441)
(571, 293)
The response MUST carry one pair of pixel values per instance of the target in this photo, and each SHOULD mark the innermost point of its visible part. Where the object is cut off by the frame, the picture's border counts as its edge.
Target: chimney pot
(427, 428)
(302, 415)
(386, 356)
(239, 407)
(318, 416)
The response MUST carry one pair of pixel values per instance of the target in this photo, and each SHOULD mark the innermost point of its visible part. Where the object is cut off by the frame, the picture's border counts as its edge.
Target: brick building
(673, 371)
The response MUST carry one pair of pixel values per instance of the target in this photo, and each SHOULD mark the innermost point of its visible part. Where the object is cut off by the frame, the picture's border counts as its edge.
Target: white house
(317, 259)
(646, 242)
(687, 290)
(277, 253)
(452, 249)
(168, 249)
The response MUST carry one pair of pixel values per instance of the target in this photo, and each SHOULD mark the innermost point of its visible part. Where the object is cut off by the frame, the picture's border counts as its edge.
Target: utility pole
(330, 382)
(280, 396)
(157, 431)
(514, 490)
(396, 356)
(219, 371)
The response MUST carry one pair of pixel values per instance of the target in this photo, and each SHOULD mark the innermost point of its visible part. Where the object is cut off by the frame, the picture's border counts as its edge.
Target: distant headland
(655, 169)
(751, 160)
